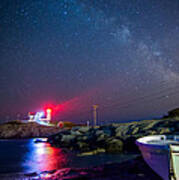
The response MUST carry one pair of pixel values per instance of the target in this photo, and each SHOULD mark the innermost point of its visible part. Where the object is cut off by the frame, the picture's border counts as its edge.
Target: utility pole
(95, 114)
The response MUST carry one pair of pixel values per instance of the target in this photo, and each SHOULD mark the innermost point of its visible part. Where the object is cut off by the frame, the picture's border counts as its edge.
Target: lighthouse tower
(48, 115)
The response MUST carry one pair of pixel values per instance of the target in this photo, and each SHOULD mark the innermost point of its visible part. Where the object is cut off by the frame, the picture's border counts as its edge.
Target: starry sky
(120, 54)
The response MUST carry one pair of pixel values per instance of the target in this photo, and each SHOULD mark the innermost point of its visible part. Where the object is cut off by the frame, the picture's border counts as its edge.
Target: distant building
(40, 116)
(31, 116)
(60, 124)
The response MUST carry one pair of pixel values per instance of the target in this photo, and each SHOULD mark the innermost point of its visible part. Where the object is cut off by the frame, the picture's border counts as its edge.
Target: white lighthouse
(48, 115)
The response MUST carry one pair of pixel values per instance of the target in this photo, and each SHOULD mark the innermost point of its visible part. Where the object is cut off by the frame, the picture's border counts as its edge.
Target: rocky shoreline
(114, 138)
(20, 130)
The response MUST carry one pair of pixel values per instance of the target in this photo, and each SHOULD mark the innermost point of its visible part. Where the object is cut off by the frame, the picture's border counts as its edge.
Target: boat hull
(157, 157)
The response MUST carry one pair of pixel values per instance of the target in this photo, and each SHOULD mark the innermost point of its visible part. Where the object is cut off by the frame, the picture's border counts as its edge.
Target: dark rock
(108, 130)
(135, 130)
(174, 113)
(67, 139)
(84, 129)
(113, 139)
(25, 130)
(114, 146)
(99, 132)
(123, 130)
(83, 146)
(129, 145)
(164, 131)
(101, 138)
(76, 133)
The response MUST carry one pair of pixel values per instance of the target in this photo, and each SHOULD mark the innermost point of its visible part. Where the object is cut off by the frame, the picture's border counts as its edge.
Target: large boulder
(165, 130)
(76, 133)
(101, 137)
(108, 130)
(123, 130)
(67, 139)
(135, 130)
(114, 146)
(99, 132)
(84, 129)
(150, 125)
(83, 146)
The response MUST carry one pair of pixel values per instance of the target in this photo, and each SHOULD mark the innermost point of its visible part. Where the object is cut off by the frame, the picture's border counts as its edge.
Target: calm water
(26, 156)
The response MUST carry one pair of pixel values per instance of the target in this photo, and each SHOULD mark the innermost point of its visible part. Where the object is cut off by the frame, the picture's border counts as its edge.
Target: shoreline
(114, 138)
(132, 169)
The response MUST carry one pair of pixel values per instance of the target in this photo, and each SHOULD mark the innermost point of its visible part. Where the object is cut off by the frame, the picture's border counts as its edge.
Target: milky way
(119, 54)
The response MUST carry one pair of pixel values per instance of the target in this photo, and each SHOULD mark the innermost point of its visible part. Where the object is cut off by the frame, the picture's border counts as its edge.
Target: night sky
(120, 54)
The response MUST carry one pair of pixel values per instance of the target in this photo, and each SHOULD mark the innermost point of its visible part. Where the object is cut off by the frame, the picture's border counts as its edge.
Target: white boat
(175, 160)
(161, 153)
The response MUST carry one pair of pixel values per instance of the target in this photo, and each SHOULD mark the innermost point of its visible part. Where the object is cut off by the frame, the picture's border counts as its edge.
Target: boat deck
(163, 142)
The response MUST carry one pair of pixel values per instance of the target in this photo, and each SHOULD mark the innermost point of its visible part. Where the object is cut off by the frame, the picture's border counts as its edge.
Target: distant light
(65, 12)
(49, 110)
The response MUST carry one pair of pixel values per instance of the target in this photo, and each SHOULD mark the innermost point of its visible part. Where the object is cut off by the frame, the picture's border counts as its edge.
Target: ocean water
(26, 156)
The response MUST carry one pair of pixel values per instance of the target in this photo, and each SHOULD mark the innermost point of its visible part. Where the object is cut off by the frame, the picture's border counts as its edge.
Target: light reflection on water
(27, 156)
(42, 156)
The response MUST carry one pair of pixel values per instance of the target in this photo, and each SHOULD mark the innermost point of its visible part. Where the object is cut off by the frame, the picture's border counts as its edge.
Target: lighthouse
(48, 115)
